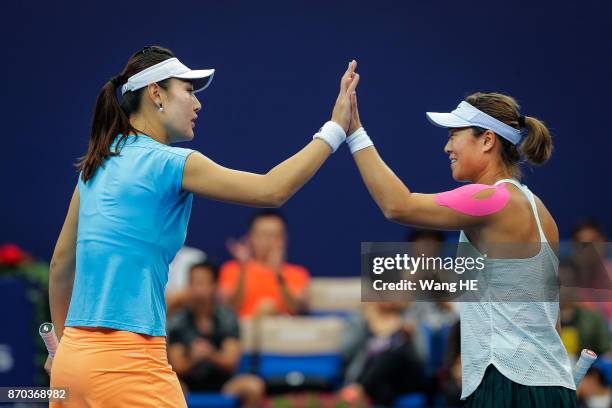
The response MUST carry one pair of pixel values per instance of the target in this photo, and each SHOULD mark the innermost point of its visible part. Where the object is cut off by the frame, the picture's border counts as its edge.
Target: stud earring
(161, 109)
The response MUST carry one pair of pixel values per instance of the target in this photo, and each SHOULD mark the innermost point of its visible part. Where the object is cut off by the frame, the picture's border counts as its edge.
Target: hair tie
(521, 121)
(117, 80)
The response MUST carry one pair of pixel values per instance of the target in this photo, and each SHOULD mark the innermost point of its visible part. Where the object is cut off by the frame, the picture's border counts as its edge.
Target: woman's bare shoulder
(548, 222)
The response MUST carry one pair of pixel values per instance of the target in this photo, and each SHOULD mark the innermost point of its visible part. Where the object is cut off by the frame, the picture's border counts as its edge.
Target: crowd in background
(388, 349)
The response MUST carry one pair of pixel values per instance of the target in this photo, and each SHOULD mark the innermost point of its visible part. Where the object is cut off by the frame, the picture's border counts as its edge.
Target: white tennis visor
(467, 115)
(170, 68)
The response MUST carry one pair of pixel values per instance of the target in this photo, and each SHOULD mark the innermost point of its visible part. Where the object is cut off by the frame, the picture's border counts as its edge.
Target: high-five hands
(355, 120)
(334, 132)
(345, 117)
(357, 138)
(342, 109)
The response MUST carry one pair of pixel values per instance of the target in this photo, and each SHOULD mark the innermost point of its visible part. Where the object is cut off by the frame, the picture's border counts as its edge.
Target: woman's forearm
(63, 266)
(204, 177)
(286, 178)
(60, 292)
(389, 192)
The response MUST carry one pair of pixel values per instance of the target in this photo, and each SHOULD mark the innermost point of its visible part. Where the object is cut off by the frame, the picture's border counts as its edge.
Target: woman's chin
(187, 136)
(455, 174)
(458, 176)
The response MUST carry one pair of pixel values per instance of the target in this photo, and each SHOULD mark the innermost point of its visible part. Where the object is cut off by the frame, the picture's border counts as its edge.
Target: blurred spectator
(177, 288)
(435, 317)
(435, 314)
(203, 343)
(381, 357)
(583, 328)
(259, 281)
(592, 265)
(590, 231)
(451, 385)
(593, 391)
(450, 375)
(178, 271)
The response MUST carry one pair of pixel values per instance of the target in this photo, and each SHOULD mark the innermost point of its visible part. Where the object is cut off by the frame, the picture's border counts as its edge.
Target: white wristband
(332, 134)
(358, 140)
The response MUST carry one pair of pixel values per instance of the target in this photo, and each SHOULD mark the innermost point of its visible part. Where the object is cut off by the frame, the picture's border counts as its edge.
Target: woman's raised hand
(342, 109)
(355, 120)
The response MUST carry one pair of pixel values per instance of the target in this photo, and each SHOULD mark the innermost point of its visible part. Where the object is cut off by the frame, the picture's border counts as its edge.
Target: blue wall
(278, 65)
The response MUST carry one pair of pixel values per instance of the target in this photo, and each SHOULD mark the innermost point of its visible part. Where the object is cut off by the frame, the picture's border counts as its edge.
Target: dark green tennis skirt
(496, 391)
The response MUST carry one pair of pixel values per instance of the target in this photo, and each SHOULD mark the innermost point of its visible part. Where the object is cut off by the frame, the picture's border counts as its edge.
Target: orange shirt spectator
(259, 281)
(262, 289)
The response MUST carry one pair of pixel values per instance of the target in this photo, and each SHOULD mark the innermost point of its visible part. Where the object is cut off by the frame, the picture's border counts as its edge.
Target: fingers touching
(348, 76)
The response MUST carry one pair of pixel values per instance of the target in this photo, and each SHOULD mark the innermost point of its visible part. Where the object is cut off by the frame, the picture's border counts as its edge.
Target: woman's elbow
(61, 270)
(393, 212)
(396, 207)
(275, 199)
(54, 268)
(390, 214)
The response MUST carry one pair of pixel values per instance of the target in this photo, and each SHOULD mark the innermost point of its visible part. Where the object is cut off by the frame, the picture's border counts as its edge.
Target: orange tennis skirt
(114, 368)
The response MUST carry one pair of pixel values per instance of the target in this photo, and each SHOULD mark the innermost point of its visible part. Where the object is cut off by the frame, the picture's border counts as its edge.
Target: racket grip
(47, 332)
(586, 360)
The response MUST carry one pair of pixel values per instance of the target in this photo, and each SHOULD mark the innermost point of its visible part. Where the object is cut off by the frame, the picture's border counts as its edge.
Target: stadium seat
(249, 346)
(300, 352)
(413, 400)
(211, 400)
(334, 296)
(437, 344)
(605, 365)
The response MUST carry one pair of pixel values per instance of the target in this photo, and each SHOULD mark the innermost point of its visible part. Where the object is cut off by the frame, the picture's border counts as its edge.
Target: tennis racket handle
(47, 332)
(586, 360)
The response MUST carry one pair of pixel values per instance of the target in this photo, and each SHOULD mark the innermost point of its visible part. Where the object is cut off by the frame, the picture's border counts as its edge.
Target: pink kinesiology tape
(462, 199)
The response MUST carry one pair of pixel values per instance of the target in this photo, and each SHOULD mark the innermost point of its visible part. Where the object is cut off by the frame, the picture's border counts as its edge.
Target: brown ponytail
(536, 148)
(111, 118)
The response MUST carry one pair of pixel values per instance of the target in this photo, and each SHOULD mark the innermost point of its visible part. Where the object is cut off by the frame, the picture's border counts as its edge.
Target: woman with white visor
(127, 219)
(511, 352)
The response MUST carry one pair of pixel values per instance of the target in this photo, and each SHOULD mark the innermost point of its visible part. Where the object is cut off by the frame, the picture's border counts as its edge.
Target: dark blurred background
(278, 65)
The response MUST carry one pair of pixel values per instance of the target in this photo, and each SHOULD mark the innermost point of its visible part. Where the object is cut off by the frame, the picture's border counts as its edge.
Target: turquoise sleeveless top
(133, 219)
